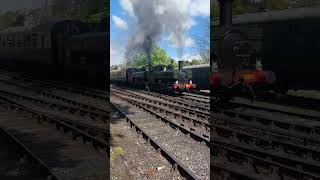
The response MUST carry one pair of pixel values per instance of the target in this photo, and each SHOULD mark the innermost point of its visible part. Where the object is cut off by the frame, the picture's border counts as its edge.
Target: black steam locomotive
(67, 48)
(158, 78)
(285, 42)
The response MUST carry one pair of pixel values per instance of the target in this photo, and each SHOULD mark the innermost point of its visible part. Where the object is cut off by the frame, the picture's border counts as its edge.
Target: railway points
(80, 124)
(187, 156)
(132, 155)
(254, 131)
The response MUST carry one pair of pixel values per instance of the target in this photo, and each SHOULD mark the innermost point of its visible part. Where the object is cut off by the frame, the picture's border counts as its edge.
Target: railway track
(82, 114)
(295, 99)
(64, 150)
(71, 114)
(268, 147)
(83, 106)
(259, 138)
(277, 149)
(17, 162)
(174, 146)
(286, 128)
(196, 97)
(193, 121)
(132, 157)
(87, 101)
(54, 85)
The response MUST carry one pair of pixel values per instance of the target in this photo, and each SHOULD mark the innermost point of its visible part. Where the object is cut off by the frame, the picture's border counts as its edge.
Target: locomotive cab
(238, 71)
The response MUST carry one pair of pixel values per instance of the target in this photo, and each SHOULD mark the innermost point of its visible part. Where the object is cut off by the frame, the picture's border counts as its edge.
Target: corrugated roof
(91, 35)
(273, 16)
(196, 66)
(44, 27)
(14, 29)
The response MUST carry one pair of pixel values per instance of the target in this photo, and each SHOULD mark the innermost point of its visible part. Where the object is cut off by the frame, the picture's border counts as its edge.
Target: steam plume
(153, 18)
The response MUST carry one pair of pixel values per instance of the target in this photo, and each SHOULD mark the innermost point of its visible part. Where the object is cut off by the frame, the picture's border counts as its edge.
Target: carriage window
(19, 43)
(34, 40)
(9, 41)
(28, 41)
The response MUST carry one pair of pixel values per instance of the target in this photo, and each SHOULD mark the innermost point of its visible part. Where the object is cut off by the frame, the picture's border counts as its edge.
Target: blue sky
(122, 25)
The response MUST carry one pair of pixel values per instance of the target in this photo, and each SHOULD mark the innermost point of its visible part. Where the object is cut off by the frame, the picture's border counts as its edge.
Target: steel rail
(50, 95)
(259, 155)
(104, 115)
(308, 132)
(96, 143)
(204, 115)
(68, 87)
(184, 113)
(177, 165)
(29, 155)
(160, 114)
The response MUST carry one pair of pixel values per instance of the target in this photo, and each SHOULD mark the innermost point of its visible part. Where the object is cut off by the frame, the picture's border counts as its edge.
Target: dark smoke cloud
(155, 17)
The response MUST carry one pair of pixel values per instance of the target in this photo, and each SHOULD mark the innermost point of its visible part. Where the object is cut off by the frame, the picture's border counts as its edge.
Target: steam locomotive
(158, 78)
(71, 49)
(286, 42)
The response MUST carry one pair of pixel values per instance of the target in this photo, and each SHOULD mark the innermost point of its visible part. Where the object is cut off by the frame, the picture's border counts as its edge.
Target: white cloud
(127, 6)
(113, 51)
(116, 55)
(192, 7)
(119, 22)
(188, 57)
(189, 23)
(200, 8)
(187, 42)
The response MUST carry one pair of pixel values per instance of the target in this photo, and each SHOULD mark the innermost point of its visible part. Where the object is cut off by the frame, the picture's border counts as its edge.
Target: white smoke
(153, 19)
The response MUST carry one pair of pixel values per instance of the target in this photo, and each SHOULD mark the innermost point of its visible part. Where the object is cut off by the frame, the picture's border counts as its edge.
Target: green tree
(7, 19)
(97, 10)
(158, 56)
(195, 62)
(113, 67)
(275, 4)
(19, 20)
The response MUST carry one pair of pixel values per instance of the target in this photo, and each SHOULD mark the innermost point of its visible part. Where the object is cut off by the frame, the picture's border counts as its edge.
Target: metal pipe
(180, 65)
(225, 12)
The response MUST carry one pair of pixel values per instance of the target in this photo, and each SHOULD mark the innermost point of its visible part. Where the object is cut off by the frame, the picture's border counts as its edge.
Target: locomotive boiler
(288, 41)
(236, 67)
(159, 78)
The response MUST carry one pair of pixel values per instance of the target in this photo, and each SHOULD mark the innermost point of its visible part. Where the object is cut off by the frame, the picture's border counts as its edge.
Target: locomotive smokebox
(225, 13)
(180, 65)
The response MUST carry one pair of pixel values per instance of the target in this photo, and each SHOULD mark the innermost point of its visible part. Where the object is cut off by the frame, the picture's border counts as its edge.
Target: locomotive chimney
(180, 65)
(225, 12)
